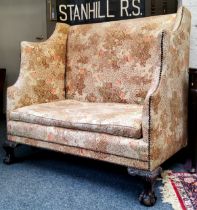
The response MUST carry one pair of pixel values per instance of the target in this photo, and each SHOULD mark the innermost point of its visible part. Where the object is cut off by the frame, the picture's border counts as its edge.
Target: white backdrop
(192, 6)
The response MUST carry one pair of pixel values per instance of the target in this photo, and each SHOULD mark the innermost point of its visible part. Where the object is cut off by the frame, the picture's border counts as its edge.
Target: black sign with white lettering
(92, 11)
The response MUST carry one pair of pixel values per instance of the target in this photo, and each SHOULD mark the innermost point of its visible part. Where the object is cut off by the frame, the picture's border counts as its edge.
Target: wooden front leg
(9, 148)
(147, 197)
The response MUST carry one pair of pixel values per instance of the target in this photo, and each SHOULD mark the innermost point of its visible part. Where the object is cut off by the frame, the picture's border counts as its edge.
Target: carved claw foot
(9, 149)
(147, 198)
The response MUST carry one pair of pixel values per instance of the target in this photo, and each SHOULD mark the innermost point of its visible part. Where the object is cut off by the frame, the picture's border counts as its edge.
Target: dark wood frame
(9, 148)
(147, 197)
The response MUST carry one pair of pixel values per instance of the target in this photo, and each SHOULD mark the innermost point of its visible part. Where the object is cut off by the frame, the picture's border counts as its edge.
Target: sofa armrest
(165, 108)
(42, 71)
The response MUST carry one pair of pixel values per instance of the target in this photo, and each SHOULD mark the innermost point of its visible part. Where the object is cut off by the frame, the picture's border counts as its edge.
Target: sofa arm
(42, 71)
(165, 108)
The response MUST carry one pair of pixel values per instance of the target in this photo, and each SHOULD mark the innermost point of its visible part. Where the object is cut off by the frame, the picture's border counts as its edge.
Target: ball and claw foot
(147, 198)
(9, 148)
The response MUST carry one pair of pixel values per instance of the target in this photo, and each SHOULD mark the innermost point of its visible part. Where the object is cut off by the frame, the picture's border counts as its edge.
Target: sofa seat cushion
(111, 118)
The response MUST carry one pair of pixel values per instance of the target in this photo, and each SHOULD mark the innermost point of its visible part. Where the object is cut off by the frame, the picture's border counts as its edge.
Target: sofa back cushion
(114, 61)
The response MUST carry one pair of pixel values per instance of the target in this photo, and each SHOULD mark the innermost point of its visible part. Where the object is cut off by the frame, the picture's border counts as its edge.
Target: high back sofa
(114, 91)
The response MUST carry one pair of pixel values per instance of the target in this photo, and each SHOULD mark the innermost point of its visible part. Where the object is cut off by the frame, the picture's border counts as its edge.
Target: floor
(47, 180)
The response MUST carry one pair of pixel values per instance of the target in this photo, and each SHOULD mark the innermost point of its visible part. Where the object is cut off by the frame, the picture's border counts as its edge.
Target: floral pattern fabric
(141, 62)
(112, 118)
(42, 71)
(99, 142)
(114, 61)
(82, 152)
(164, 121)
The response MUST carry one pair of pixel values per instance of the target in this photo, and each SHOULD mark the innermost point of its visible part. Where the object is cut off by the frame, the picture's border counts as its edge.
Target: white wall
(192, 6)
(21, 20)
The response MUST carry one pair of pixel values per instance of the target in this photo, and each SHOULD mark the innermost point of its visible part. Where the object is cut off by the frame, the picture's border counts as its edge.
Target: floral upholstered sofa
(114, 91)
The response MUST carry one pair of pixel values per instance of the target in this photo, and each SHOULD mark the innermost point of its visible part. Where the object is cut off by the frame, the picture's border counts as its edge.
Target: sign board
(93, 11)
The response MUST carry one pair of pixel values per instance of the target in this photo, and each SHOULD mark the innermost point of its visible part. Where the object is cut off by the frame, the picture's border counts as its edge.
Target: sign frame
(74, 12)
